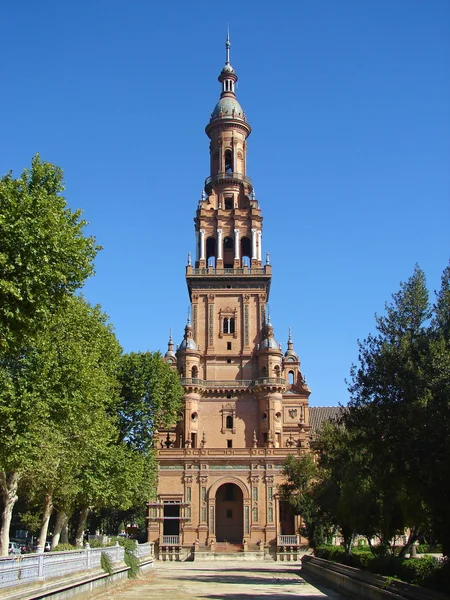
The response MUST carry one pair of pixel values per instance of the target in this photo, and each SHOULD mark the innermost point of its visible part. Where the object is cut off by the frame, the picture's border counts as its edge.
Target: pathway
(219, 581)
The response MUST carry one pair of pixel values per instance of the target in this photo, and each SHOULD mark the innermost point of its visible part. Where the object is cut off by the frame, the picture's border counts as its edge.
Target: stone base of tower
(216, 501)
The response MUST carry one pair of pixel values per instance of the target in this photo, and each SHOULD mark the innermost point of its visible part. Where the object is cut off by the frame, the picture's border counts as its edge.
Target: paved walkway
(219, 581)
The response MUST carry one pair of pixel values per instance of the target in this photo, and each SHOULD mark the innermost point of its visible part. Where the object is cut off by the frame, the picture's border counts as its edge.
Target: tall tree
(151, 397)
(44, 258)
(44, 254)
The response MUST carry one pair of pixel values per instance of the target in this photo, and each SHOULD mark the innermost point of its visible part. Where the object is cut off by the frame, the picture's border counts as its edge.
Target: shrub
(418, 570)
(106, 563)
(96, 544)
(63, 548)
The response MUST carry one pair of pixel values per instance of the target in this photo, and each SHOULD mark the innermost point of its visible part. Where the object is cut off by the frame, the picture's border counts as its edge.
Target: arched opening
(211, 252)
(228, 325)
(291, 377)
(229, 422)
(276, 370)
(228, 253)
(228, 161)
(194, 372)
(246, 250)
(229, 514)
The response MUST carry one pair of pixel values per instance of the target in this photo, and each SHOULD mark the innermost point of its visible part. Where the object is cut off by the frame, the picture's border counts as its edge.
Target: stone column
(202, 244)
(219, 244)
(254, 233)
(259, 245)
(197, 246)
(236, 244)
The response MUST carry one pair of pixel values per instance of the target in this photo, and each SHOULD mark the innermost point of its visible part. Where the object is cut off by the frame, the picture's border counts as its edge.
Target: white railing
(26, 568)
(170, 540)
(288, 540)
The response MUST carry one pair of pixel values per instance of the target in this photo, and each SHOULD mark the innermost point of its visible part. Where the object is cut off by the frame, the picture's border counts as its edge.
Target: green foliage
(63, 548)
(106, 563)
(300, 475)
(44, 255)
(427, 571)
(132, 561)
(151, 396)
(429, 548)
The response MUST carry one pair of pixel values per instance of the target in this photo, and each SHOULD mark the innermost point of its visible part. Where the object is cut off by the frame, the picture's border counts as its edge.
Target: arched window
(228, 253)
(211, 251)
(228, 161)
(229, 422)
(228, 325)
(194, 372)
(277, 370)
(246, 248)
(291, 377)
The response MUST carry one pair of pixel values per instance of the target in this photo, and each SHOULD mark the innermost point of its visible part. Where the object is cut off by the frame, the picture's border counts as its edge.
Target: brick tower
(246, 403)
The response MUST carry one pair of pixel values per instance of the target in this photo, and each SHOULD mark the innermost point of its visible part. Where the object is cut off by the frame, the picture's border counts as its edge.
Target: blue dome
(224, 108)
(269, 343)
(187, 344)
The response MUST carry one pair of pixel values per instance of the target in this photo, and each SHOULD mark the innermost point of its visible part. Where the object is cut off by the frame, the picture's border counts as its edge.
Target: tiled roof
(319, 414)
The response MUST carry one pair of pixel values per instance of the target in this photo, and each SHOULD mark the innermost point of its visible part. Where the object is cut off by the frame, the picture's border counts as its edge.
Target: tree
(399, 405)
(301, 475)
(44, 255)
(44, 259)
(71, 370)
(151, 397)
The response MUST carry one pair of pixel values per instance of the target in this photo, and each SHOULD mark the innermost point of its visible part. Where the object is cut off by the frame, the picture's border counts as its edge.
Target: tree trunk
(8, 487)
(61, 523)
(413, 536)
(79, 538)
(65, 533)
(46, 514)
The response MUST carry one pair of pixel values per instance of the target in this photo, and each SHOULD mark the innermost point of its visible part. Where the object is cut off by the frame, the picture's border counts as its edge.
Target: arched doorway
(229, 514)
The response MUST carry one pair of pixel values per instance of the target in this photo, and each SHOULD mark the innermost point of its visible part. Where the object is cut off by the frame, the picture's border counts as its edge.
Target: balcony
(232, 384)
(228, 177)
(228, 272)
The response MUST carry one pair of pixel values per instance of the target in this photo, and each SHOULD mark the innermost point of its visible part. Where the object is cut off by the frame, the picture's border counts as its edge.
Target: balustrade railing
(239, 271)
(234, 383)
(288, 540)
(170, 540)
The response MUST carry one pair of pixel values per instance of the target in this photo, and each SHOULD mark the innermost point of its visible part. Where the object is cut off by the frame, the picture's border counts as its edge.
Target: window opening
(229, 361)
(291, 377)
(246, 247)
(228, 161)
(229, 443)
(229, 423)
(228, 326)
(228, 203)
(211, 251)
(194, 372)
(228, 395)
(194, 440)
(228, 345)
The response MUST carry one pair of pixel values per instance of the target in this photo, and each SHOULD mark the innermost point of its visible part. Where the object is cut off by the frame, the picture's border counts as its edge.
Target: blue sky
(349, 101)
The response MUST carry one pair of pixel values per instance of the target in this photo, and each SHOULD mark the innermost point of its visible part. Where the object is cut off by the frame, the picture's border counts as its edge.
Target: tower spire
(227, 47)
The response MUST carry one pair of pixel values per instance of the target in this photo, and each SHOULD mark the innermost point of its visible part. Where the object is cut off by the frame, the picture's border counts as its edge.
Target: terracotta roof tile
(319, 414)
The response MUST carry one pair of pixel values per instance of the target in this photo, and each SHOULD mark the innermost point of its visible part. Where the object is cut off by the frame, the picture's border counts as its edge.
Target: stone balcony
(239, 385)
(226, 177)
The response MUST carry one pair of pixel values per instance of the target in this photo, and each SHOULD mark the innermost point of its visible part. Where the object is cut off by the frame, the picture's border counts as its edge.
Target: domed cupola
(228, 107)
(188, 342)
(290, 349)
(269, 342)
(170, 356)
